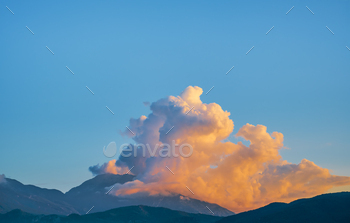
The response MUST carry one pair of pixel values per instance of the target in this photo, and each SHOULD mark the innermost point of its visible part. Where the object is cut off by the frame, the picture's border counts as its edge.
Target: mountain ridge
(36, 200)
(139, 213)
(331, 207)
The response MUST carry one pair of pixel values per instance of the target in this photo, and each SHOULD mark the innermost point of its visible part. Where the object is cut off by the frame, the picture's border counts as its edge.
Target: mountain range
(28, 203)
(144, 214)
(92, 193)
(323, 208)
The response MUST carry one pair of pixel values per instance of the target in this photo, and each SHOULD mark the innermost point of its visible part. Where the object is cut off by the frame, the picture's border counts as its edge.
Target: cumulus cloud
(244, 177)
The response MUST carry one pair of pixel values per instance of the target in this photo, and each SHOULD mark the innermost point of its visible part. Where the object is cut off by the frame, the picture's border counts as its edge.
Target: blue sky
(294, 80)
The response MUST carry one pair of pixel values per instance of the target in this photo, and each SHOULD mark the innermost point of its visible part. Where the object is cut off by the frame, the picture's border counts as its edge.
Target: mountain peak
(99, 183)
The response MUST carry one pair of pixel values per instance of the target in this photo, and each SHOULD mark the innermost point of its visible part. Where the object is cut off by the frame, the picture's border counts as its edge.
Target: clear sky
(295, 80)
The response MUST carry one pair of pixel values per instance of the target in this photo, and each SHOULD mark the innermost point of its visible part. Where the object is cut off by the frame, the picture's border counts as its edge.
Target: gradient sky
(295, 80)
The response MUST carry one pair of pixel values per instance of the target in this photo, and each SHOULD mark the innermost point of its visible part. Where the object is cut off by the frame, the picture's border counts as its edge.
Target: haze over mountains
(35, 200)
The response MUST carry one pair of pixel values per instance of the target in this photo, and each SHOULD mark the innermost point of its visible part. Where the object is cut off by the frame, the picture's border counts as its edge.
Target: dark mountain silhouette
(35, 200)
(130, 214)
(323, 208)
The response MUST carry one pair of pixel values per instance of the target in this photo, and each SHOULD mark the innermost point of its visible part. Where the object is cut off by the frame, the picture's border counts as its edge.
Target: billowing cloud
(235, 176)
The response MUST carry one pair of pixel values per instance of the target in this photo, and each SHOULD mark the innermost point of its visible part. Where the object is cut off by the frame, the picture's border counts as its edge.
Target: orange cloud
(235, 176)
